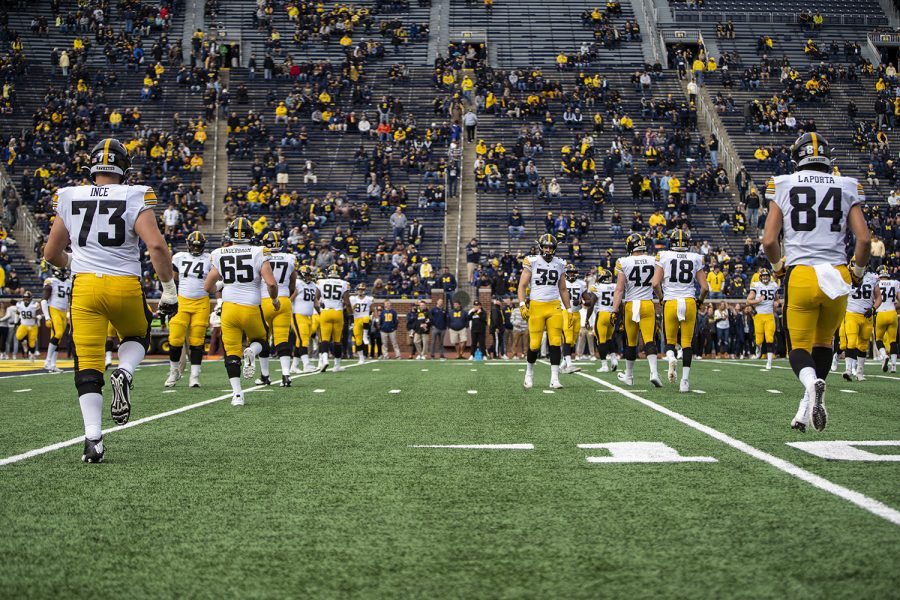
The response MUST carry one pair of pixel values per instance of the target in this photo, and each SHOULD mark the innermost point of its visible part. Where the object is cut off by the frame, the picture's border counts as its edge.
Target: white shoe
(174, 375)
(625, 378)
(297, 371)
(237, 399)
(885, 360)
(337, 369)
(32, 356)
(834, 363)
(555, 384)
(603, 369)
(893, 368)
(680, 354)
(656, 382)
(505, 357)
(308, 369)
(529, 382)
(248, 370)
(860, 376)
(47, 365)
(3, 356)
(361, 361)
(592, 358)
(768, 367)
(54, 369)
(472, 357)
(672, 365)
(194, 381)
(685, 386)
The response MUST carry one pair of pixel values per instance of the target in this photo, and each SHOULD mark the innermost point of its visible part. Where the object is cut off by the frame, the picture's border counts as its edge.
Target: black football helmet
(111, 157)
(604, 275)
(548, 244)
(571, 272)
(271, 240)
(811, 151)
(240, 231)
(635, 243)
(60, 273)
(196, 243)
(679, 240)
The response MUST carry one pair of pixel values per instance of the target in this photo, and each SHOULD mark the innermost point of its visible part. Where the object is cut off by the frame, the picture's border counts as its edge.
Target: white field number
(842, 450)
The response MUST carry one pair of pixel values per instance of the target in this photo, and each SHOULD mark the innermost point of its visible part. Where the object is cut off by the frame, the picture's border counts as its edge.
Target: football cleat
(656, 382)
(263, 380)
(297, 371)
(834, 363)
(847, 375)
(885, 361)
(603, 369)
(334, 369)
(306, 369)
(248, 370)
(322, 368)
(555, 384)
(798, 425)
(625, 378)
(860, 376)
(174, 375)
(194, 381)
(819, 414)
(529, 382)
(93, 451)
(684, 386)
(237, 399)
(672, 373)
(285, 381)
(121, 383)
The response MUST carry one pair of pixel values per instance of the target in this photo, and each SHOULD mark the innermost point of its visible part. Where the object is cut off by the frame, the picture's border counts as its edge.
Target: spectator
(387, 322)
(470, 122)
(716, 280)
(516, 224)
(457, 322)
(399, 223)
(422, 331)
(439, 325)
(473, 258)
(171, 220)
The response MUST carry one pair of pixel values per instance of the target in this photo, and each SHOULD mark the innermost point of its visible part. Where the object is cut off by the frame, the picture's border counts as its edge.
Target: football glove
(868, 313)
(857, 272)
(168, 302)
(779, 269)
(523, 309)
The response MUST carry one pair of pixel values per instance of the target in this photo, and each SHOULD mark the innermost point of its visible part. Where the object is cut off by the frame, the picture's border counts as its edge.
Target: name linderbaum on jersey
(192, 319)
(103, 223)
(812, 211)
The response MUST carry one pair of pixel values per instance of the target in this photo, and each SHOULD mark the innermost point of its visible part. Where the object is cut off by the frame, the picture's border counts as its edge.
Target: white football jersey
(862, 297)
(815, 208)
(679, 273)
(765, 292)
(239, 268)
(545, 277)
(305, 300)
(60, 293)
(333, 293)
(283, 264)
(576, 291)
(362, 306)
(638, 271)
(100, 221)
(192, 271)
(28, 313)
(890, 289)
(604, 293)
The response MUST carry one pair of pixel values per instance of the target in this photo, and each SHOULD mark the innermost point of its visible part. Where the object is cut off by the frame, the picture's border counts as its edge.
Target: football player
(27, 331)
(886, 321)
(677, 270)
(334, 295)
(762, 299)
(599, 301)
(362, 316)
(306, 297)
(104, 223)
(192, 319)
(55, 306)
(864, 299)
(241, 267)
(543, 274)
(576, 287)
(634, 288)
(284, 267)
(810, 211)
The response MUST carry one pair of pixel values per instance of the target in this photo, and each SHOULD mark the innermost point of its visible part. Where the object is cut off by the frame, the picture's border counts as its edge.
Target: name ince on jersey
(99, 191)
(815, 179)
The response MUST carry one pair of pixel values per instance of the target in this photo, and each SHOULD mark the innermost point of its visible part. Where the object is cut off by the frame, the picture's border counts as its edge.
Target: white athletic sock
(235, 384)
(195, 370)
(685, 373)
(264, 366)
(109, 357)
(554, 372)
(295, 362)
(654, 373)
(173, 364)
(337, 362)
(629, 368)
(803, 410)
(770, 356)
(305, 360)
(256, 347)
(807, 376)
(850, 364)
(285, 364)
(323, 357)
(893, 360)
(529, 369)
(861, 364)
(131, 354)
(361, 355)
(567, 361)
(51, 354)
(614, 358)
(604, 363)
(91, 411)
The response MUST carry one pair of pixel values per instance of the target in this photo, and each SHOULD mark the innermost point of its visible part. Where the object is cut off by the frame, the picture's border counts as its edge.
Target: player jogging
(543, 274)
(864, 299)
(677, 270)
(103, 222)
(55, 306)
(335, 300)
(305, 299)
(599, 301)
(811, 210)
(762, 298)
(192, 319)
(886, 321)
(278, 319)
(240, 268)
(634, 286)
(576, 287)
(362, 316)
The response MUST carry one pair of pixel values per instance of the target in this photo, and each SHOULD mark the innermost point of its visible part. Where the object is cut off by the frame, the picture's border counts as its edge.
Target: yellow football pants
(842, 334)
(672, 324)
(764, 329)
(58, 321)
(646, 326)
(303, 330)
(239, 321)
(571, 329)
(191, 321)
(30, 332)
(811, 317)
(331, 325)
(603, 327)
(886, 327)
(278, 321)
(545, 316)
(858, 330)
(359, 325)
(101, 304)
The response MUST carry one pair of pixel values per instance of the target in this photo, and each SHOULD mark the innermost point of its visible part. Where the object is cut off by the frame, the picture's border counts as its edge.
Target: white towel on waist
(681, 310)
(831, 282)
(636, 311)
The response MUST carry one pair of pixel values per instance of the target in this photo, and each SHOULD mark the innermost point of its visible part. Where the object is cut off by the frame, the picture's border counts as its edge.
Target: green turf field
(317, 491)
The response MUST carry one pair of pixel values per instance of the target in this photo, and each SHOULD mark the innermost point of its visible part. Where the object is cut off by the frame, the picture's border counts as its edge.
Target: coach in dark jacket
(478, 321)
(439, 326)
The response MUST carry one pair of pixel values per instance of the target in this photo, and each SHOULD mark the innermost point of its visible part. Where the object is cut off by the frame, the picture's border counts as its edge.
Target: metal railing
(651, 17)
(27, 230)
(883, 38)
(728, 155)
(459, 209)
(831, 19)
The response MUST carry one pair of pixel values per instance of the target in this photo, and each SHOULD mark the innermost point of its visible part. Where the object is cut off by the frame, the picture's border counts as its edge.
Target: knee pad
(197, 354)
(670, 347)
(603, 348)
(893, 349)
(687, 355)
(283, 349)
(630, 353)
(650, 348)
(555, 355)
(850, 353)
(264, 353)
(800, 359)
(532, 356)
(89, 381)
(233, 366)
(54, 341)
(300, 351)
(337, 349)
(175, 353)
(143, 340)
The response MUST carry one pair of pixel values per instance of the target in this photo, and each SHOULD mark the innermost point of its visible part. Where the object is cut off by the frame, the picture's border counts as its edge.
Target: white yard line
(78, 440)
(476, 446)
(72, 371)
(868, 504)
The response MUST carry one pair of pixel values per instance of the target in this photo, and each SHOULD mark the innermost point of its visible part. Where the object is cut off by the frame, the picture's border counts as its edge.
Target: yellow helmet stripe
(106, 151)
(815, 144)
(240, 225)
